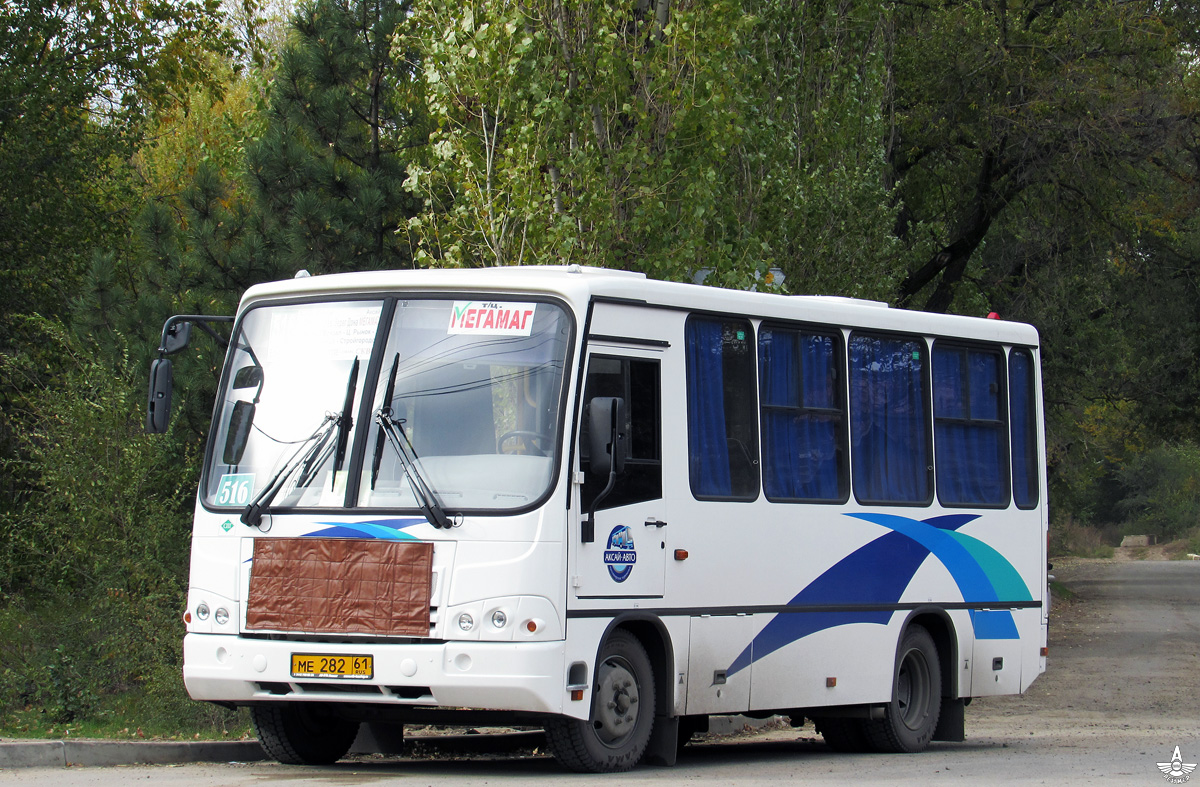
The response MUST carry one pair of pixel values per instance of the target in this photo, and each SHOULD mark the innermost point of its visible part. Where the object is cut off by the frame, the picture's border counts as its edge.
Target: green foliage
(1162, 491)
(76, 80)
(1021, 128)
(671, 138)
(1068, 537)
(93, 566)
(328, 172)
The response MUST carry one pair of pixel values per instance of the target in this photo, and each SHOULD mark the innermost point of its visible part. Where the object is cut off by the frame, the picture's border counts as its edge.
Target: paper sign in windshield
(492, 319)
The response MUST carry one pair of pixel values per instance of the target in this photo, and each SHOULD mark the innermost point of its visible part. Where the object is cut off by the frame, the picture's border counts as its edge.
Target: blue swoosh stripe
(390, 529)
(880, 571)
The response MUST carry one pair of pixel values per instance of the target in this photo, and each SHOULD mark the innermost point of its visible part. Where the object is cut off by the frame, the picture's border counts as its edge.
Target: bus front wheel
(615, 737)
(912, 715)
(301, 735)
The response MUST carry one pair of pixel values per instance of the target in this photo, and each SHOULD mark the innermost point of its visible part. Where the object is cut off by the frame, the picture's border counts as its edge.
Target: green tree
(343, 125)
(1045, 112)
(669, 137)
(76, 79)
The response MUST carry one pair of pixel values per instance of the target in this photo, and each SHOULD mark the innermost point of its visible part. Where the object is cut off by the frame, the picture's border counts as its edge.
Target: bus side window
(1022, 388)
(889, 426)
(969, 437)
(637, 382)
(722, 409)
(803, 415)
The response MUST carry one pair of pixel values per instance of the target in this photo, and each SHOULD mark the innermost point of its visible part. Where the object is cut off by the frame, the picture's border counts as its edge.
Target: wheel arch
(937, 622)
(652, 633)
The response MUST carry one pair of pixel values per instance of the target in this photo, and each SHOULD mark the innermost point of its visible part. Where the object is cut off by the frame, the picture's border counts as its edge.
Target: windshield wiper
(329, 437)
(388, 395)
(427, 499)
(313, 446)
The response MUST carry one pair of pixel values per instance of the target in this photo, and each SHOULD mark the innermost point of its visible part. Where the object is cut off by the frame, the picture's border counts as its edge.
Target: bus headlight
(466, 622)
(221, 616)
(202, 611)
(499, 619)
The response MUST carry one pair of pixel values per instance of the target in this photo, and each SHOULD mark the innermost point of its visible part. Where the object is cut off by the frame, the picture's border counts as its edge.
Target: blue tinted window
(889, 432)
(1022, 401)
(722, 428)
(803, 422)
(970, 439)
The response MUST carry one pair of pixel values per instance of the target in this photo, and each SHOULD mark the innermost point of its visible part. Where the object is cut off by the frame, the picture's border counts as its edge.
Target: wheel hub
(617, 702)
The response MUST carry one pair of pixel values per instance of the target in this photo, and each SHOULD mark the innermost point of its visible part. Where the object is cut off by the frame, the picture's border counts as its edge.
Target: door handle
(653, 522)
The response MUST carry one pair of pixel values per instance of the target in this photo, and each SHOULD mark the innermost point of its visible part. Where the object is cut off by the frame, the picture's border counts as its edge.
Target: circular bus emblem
(620, 554)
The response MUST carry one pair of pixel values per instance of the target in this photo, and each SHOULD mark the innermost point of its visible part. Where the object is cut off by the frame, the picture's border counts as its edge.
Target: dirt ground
(1123, 665)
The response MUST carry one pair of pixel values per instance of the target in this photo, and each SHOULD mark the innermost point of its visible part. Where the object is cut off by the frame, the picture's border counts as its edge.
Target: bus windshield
(464, 414)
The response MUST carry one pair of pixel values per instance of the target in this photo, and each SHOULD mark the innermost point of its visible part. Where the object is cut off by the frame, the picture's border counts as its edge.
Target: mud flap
(663, 747)
(951, 724)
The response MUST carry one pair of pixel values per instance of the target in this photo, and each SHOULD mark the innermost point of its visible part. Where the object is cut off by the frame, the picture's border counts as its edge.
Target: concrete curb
(50, 754)
(60, 754)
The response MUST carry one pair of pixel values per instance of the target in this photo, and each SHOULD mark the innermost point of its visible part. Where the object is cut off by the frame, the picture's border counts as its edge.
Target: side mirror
(248, 377)
(158, 409)
(607, 439)
(609, 446)
(176, 337)
(240, 421)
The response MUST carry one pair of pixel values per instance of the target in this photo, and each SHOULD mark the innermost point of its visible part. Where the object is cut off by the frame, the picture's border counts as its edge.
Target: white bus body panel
(736, 641)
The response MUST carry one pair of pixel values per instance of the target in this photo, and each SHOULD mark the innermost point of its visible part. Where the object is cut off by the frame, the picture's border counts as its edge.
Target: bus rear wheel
(302, 735)
(615, 736)
(912, 715)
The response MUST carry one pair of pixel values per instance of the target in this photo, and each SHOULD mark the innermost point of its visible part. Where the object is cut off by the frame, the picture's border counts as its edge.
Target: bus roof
(580, 284)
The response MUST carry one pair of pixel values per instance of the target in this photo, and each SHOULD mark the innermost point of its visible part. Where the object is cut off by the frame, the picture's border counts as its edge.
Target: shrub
(1161, 491)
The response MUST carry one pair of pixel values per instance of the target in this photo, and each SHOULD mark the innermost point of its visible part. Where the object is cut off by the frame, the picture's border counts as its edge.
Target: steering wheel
(533, 443)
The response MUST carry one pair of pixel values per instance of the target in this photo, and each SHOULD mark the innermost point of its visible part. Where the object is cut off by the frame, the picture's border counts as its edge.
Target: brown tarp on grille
(340, 586)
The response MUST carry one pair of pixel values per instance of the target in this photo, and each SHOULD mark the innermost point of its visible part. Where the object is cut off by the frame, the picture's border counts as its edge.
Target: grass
(1061, 592)
(117, 718)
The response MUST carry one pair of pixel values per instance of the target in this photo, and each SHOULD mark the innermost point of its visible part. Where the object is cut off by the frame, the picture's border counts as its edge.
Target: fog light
(202, 611)
(499, 619)
(466, 622)
(221, 616)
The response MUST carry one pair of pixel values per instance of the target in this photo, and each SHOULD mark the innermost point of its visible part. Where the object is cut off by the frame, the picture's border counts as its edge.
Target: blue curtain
(800, 446)
(1024, 429)
(890, 443)
(708, 453)
(969, 430)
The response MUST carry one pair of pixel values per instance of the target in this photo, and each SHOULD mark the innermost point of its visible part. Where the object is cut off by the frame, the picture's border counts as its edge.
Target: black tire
(912, 715)
(623, 706)
(844, 735)
(302, 734)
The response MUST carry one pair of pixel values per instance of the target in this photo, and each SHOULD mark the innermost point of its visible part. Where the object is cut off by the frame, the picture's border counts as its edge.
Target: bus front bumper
(526, 676)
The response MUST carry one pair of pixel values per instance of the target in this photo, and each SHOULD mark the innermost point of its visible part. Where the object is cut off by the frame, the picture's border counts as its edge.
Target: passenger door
(626, 557)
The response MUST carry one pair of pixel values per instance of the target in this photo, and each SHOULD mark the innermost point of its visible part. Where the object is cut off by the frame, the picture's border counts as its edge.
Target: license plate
(316, 665)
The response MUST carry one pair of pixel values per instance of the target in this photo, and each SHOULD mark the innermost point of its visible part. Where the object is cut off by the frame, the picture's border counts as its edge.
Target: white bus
(612, 507)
